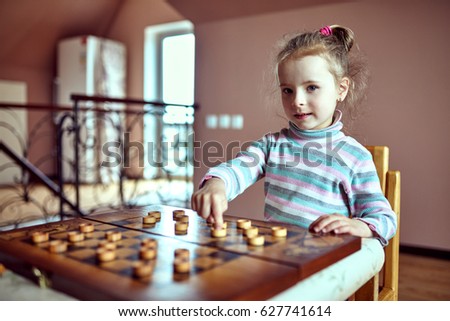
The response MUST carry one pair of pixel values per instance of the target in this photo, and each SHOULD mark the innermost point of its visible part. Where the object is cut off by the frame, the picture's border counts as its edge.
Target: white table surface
(340, 280)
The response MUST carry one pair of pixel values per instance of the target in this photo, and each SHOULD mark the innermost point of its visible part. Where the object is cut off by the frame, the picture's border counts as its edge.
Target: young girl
(315, 176)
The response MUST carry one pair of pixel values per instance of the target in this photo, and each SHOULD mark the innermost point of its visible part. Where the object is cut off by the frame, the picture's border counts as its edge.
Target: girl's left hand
(339, 224)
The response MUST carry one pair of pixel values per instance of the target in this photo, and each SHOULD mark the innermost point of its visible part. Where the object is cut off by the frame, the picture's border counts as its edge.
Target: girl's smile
(302, 116)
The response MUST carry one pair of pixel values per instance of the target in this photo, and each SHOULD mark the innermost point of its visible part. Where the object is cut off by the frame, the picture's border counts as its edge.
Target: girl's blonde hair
(333, 43)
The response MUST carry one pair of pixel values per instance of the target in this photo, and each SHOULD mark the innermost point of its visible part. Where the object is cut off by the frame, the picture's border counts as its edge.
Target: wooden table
(221, 268)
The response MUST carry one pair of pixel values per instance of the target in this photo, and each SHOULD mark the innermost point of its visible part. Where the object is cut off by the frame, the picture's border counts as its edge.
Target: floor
(423, 278)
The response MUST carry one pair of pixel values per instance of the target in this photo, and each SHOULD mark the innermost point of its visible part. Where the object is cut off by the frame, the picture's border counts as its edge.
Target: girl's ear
(344, 86)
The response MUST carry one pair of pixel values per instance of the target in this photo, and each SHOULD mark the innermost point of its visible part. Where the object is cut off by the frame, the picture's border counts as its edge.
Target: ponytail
(344, 35)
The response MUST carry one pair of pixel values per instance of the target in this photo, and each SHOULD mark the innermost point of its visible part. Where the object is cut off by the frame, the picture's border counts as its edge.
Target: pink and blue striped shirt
(309, 173)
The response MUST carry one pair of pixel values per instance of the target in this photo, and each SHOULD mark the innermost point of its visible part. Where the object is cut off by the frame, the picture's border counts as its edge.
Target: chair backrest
(390, 185)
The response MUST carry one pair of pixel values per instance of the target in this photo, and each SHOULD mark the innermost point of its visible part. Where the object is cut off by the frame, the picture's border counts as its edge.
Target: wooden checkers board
(219, 268)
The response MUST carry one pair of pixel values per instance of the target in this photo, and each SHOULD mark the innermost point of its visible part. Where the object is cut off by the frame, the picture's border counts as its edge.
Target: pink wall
(405, 42)
(129, 27)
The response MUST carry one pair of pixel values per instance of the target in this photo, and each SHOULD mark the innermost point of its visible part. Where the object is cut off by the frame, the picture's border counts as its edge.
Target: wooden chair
(384, 286)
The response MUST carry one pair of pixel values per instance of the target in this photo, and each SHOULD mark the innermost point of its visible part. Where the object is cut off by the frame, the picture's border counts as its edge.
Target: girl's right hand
(210, 201)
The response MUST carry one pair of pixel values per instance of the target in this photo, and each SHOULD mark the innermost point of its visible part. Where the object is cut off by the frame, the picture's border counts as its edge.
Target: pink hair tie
(326, 31)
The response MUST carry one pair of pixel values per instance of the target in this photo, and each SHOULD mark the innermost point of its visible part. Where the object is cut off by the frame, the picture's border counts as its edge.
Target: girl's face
(309, 92)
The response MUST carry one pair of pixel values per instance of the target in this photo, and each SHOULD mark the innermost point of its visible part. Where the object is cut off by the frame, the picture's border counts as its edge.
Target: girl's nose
(299, 99)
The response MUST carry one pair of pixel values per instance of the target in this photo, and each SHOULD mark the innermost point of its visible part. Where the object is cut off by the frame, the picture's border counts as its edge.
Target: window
(177, 76)
(169, 77)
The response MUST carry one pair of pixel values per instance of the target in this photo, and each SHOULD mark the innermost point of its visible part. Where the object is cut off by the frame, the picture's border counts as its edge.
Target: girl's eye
(286, 91)
(312, 88)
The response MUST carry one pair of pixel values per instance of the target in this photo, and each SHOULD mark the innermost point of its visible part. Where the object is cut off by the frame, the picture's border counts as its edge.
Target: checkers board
(220, 268)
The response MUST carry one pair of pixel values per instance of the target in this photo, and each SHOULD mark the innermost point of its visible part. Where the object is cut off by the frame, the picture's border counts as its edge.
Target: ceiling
(200, 11)
(29, 29)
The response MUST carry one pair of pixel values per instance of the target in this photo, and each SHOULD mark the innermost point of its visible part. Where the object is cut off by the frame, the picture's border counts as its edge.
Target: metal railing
(100, 144)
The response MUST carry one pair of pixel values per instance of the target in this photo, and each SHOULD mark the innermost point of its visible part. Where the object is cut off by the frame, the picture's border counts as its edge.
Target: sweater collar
(333, 129)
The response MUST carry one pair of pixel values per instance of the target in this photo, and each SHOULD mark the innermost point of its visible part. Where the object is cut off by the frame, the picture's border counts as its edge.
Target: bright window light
(178, 67)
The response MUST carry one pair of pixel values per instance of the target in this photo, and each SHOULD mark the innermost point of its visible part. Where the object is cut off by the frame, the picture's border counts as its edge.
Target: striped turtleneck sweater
(309, 173)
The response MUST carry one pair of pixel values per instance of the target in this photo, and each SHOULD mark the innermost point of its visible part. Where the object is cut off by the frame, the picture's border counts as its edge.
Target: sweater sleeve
(369, 204)
(244, 170)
